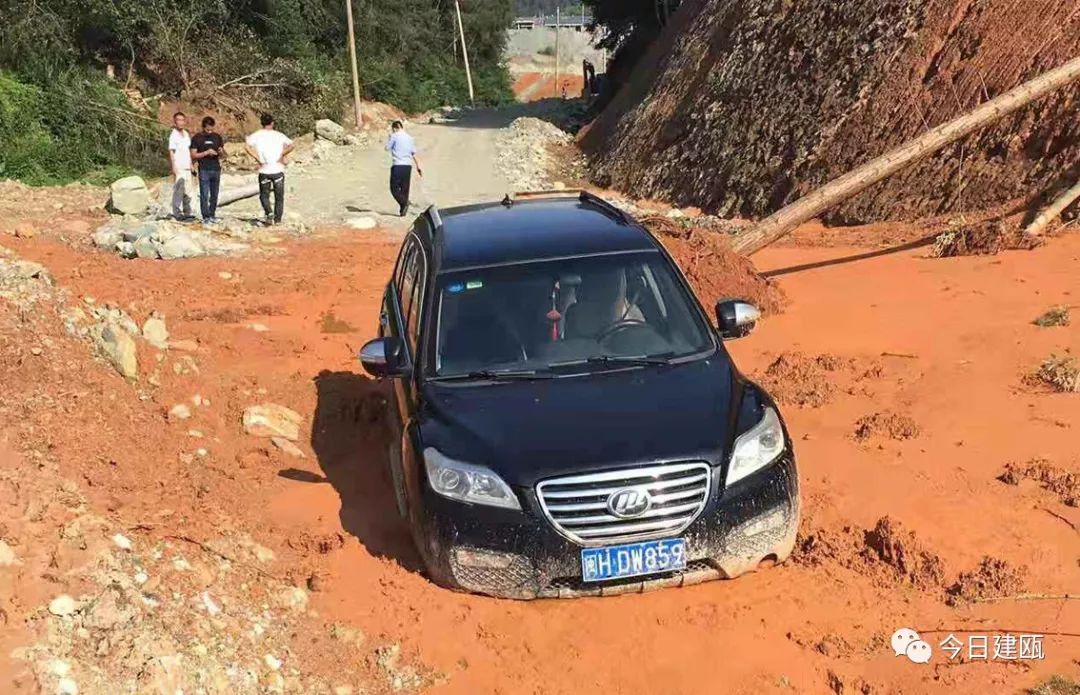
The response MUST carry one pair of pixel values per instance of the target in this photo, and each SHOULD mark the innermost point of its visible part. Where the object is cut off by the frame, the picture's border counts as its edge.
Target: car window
(408, 281)
(544, 314)
(416, 303)
(399, 268)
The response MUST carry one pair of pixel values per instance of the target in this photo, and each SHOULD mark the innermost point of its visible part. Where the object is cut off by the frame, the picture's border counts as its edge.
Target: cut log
(854, 182)
(249, 191)
(1038, 225)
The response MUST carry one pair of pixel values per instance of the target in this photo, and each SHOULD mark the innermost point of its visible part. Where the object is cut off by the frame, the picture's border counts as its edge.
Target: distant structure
(567, 21)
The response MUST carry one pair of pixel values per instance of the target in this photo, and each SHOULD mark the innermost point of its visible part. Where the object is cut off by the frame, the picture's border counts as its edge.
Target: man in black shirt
(208, 149)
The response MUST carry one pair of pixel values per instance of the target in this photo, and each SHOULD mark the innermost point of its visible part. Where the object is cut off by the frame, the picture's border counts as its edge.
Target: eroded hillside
(743, 106)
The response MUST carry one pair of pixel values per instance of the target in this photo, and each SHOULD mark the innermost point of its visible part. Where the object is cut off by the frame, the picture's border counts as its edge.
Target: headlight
(757, 447)
(467, 483)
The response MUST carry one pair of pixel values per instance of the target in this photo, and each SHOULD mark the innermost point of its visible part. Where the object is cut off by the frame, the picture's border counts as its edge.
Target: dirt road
(459, 162)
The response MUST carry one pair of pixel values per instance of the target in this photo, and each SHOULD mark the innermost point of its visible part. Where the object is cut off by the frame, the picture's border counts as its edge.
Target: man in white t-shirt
(270, 148)
(182, 167)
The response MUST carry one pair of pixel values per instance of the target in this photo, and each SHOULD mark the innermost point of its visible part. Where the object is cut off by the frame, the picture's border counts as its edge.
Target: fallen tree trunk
(236, 194)
(850, 184)
(1038, 225)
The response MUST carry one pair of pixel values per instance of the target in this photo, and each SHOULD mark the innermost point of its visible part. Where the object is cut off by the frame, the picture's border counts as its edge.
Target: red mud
(962, 326)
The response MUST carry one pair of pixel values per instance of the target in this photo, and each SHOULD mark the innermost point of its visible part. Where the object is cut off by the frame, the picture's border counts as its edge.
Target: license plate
(633, 559)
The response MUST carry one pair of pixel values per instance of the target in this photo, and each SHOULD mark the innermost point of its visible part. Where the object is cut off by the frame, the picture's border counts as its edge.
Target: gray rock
(107, 237)
(180, 246)
(156, 333)
(322, 148)
(180, 411)
(288, 447)
(326, 129)
(145, 248)
(129, 196)
(28, 270)
(272, 420)
(7, 556)
(362, 222)
(63, 605)
(119, 348)
(126, 249)
(139, 232)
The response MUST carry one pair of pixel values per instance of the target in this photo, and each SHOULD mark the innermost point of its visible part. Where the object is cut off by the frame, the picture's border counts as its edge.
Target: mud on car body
(566, 420)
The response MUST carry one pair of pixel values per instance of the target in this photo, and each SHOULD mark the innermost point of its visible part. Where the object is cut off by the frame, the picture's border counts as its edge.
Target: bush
(68, 130)
(63, 119)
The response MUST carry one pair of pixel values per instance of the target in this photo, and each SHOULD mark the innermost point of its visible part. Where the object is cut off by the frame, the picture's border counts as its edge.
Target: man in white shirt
(270, 148)
(182, 167)
(402, 149)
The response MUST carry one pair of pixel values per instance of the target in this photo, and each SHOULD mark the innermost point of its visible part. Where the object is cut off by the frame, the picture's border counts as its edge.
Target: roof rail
(553, 193)
(613, 210)
(581, 194)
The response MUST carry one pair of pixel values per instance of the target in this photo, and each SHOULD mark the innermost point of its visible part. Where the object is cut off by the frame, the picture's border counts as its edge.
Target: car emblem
(629, 503)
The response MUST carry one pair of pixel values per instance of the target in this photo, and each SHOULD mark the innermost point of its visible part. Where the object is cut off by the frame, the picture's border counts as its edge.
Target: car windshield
(564, 315)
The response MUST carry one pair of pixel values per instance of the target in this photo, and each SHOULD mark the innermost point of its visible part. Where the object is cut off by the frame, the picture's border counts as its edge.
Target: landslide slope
(742, 106)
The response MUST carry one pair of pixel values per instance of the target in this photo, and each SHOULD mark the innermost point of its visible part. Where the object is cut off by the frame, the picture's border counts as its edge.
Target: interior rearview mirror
(382, 357)
(736, 318)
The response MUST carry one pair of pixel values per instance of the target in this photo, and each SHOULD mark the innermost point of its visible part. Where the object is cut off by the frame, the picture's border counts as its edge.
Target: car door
(405, 327)
(404, 308)
(391, 324)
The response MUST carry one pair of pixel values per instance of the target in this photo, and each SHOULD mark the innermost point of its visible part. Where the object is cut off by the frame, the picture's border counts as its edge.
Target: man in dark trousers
(402, 149)
(207, 150)
(271, 149)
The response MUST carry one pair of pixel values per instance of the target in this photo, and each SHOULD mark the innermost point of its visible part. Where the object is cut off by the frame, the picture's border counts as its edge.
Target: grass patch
(1061, 373)
(1054, 316)
(1057, 685)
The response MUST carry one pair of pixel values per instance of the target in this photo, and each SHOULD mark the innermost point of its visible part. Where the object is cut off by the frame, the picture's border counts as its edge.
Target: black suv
(566, 419)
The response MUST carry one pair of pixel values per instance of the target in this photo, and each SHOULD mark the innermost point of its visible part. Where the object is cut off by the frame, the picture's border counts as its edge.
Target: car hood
(530, 430)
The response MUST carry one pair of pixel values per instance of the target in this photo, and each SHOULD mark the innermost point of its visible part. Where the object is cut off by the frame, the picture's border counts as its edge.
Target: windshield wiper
(491, 375)
(617, 360)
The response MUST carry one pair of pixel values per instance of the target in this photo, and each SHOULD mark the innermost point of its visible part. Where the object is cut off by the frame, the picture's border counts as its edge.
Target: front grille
(578, 506)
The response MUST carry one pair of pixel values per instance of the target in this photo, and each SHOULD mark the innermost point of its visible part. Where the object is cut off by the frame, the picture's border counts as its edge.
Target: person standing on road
(208, 149)
(182, 167)
(271, 149)
(402, 150)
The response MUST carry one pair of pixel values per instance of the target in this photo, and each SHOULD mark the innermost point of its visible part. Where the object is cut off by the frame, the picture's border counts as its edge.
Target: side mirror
(736, 318)
(382, 357)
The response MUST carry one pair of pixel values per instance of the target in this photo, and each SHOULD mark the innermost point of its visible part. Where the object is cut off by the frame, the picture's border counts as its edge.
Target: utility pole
(464, 51)
(558, 21)
(355, 69)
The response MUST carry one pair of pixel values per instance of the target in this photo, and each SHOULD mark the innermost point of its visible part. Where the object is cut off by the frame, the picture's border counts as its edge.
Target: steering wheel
(620, 326)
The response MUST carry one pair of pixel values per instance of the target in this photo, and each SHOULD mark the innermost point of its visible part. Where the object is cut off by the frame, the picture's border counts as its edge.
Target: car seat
(601, 302)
